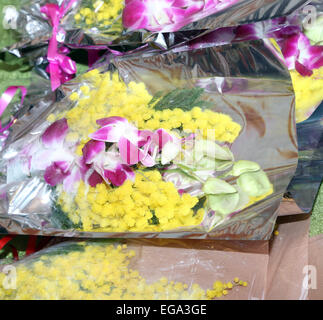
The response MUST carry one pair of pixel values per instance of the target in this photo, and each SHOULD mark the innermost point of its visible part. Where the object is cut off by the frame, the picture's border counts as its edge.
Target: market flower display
(100, 271)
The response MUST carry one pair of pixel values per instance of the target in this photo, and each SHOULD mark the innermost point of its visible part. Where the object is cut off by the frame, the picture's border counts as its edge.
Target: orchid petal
(302, 70)
(161, 137)
(55, 133)
(107, 133)
(94, 179)
(148, 161)
(224, 203)
(56, 173)
(116, 177)
(134, 16)
(129, 152)
(111, 120)
(71, 180)
(218, 186)
(92, 149)
(130, 174)
(243, 166)
(170, 152)
(255, 184)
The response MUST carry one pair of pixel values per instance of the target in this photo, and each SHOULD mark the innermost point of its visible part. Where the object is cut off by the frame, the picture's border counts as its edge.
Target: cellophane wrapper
(62, 177)
(85, 26)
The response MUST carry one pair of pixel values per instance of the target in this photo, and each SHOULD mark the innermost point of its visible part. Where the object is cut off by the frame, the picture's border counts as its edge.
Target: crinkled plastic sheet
(243, 80)
(305, 184)
(288, 267)
(35, 30)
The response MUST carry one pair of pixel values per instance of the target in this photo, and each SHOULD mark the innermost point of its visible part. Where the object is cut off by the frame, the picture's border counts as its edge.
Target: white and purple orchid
(127, 146)
(296, 47)
(299, 54)
(107, 164)
(55, 156)
(133, 144)
(168, 15)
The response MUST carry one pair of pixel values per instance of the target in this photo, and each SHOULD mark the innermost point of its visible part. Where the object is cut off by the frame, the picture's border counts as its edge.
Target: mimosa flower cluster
(308, 92)
(102, 14)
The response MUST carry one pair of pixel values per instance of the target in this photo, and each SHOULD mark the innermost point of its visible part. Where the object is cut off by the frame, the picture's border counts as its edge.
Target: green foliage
(185, 99)
(154, 220)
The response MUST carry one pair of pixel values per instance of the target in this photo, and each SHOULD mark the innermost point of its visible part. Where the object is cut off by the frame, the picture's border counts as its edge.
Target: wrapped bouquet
(157, 144)
(113, 270)
(137, 22)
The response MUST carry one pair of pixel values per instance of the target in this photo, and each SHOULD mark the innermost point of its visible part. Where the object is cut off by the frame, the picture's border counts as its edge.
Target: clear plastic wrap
(46, 187)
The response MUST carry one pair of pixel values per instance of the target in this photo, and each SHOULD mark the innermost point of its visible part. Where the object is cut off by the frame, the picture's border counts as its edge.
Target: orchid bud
(169, 152)
(224, 203)
(314, 31)
(255, 184)
(243, 166)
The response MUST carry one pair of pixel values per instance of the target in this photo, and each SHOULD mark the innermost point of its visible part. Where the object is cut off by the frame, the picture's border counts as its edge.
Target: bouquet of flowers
(157, 148)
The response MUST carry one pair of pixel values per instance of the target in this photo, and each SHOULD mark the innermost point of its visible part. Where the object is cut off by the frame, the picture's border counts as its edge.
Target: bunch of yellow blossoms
(308, 92)
(148, 204)
(96, 271)
(102, 14)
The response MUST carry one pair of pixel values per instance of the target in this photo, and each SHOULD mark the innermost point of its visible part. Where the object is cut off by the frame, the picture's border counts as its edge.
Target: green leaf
(154, 220)
(218, 186)
(255, 184)
(243, 166)
(185, 99)
(224, 203)
(199, 205)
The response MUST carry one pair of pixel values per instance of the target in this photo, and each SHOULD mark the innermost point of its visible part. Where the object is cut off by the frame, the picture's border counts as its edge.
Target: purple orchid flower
(53, 155)
(129, 147)
(57, 172)
(133, 144)
(105, 165)
(168, 15)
